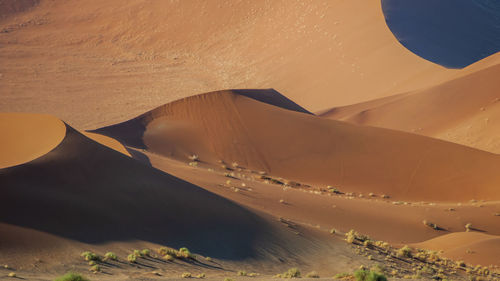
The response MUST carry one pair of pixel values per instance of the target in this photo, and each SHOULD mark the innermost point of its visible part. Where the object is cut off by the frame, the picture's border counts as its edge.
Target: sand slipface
(228, 126)
(28, 136)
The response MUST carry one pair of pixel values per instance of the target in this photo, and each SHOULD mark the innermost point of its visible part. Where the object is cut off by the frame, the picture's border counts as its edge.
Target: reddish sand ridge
(118, 60)
(222, 125)
(25, 137)
(465, 110)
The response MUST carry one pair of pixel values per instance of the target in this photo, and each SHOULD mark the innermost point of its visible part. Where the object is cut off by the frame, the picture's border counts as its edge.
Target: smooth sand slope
(229, 126)
(118, 60)
(465, 110)
(27, 136)
(473, 247)
(86, 192)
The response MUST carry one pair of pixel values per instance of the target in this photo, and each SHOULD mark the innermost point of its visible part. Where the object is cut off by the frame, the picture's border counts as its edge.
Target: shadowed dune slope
(321, 53)
(12, 7)
(84, 191)
(25, 137)
(465, 110)
(471, 247)
(231, 127)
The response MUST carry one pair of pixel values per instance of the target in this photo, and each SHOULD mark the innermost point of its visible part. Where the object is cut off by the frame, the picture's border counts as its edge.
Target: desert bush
(312, 274)
(193, 164)
(430, 224)
(89, 256)
(168, 257)
(379, 268)
(342, 275)
(368, 275)
(228, 279)
(70, 276)
(291, 273)
(186, 275)
(405, 252)
(185, 253)
(468, 227)
(145, 253)
(12, 274)
(252, 274)
(110, 256)
(242, 273)
(194, 157)
(137, 253)
(95, 268)
(368, 244)
(333, 231)
(201, 275)
(91, 263)
(208, 259)
(132, 258)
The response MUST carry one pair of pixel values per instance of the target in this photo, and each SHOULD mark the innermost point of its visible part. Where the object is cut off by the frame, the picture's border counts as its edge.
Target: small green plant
(70, 276)
(186, 275)
(110, 256)
(242, 273)
(89, 256)
(168, 257)
(95, 268)
(137, 253)
(91, 263)
(342, 275)
(291, 273)
(252, 274)
(132, 258)
(200, 276)
(468, 227)
(145, 252)
(208, 259)
(368, 275)
(405, 252)
(312, 274)
(185, 253)
(228, 279)
(12, 274)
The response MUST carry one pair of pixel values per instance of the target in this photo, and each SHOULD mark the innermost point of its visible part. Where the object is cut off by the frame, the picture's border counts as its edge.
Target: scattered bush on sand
(405, 252)
(95, 268)
(468, 227)
(110, 256)
(201, 276)
(132, 258)
(186, 275)
(145, 253)
(12, 274)
(368, 275)
(70, 276)
(312, 274)
(242, 273)
(89, 256)
(292, 273)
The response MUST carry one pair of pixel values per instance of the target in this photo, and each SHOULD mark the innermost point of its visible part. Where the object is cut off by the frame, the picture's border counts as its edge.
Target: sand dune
(12, 7)
(107, 141)
(222, 126)
(464, 110)
(120, 60)
(86, 192)
(27, 136)
(471, 247)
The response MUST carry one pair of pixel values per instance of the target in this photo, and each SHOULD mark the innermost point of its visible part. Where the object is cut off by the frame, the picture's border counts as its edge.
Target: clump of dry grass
(312, 274)
(468, 227)
(430, 224)
(186, 275)
(405, 252)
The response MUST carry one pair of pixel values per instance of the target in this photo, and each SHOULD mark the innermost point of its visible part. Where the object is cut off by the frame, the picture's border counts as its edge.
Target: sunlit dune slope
(471, 247)
(25, 137)
(465, 110)
(117, 60)
(228, 126)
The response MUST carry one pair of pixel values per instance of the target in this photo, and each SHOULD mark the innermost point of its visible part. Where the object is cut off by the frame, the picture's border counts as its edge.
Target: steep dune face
(231, 127)
(87, 192)
(12, 7)
(464, 110)
(27, 136)
(471, 247)
(126, 58)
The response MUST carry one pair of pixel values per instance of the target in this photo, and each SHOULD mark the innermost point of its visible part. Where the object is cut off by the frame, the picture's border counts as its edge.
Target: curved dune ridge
(338, 52)
(471, 247)
(107, 141)
(28, 136)
(222, 126)
(464, 110)
(116, 198)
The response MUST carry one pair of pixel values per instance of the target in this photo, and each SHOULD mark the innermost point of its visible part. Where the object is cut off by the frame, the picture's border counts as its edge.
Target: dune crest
(28, 136)
(293, 145)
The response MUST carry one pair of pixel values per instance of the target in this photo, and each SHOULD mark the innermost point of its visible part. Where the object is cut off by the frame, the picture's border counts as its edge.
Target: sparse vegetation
(145, 253)
(312, 274)
(70, 276)
(342, 275)
(208, 259)
(185, 253)
(194, 157)
(12, 274)
(242, 273)
(201, 276)
(405, 252)
(132, 258)
(89, 256)
(228, 279)
(291, 273)
(368, 275)
(168, 257)
(430, 224)
(186, 275)
(468, 227)
(110, 256)
(333, 231)
(95, 268)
